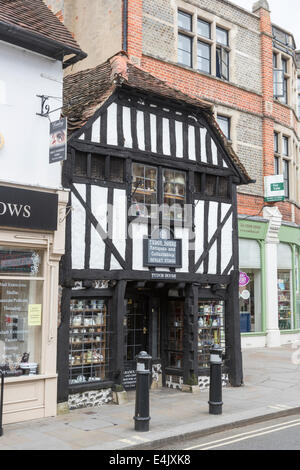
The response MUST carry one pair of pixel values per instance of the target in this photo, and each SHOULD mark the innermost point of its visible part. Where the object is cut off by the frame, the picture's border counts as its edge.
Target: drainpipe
(125, 25)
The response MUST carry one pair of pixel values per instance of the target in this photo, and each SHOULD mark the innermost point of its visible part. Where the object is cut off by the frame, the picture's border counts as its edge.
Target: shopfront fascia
(252, 235)
(32, 238)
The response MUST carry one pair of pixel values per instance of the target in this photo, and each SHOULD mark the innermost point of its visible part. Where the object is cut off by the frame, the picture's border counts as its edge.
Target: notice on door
(34, 315)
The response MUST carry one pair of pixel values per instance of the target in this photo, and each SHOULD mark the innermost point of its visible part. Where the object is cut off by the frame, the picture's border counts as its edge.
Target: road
(276, 434)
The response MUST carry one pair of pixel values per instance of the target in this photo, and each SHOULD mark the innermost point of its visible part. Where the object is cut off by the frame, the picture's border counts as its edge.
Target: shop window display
(175, 332)
(284, 301)
(89, 341)
(21, 299)
(210, 329)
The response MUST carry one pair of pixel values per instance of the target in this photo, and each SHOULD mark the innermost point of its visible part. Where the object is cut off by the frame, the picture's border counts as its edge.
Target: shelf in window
(79, 364)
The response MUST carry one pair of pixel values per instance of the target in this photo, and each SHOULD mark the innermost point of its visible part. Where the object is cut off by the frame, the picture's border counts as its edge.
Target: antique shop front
(31, 245)
(151, 248)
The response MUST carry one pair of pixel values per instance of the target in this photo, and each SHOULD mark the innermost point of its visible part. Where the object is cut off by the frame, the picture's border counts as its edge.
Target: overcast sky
(284, 13)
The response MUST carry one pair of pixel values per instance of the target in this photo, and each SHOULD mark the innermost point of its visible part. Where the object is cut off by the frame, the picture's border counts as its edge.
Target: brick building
(248, 69)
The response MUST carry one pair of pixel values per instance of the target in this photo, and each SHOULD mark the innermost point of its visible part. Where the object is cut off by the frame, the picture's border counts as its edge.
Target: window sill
(29, 378)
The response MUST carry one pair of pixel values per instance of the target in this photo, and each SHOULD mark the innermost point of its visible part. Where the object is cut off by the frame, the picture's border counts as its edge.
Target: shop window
(116, 170)
(175, 334)
(21, 311)
(210, 329)
(98, 167)
(80, 164)
(144, 190)
(90, 335)
(211, 185)
(174, 193)
(285, 318)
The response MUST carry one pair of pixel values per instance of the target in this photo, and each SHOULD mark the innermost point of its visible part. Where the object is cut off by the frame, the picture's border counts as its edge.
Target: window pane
(210, 185)
(224, 123)
(203, 57)
(286, 178)
(222, 63)
(184, 50)
(98, 167)
(284, 301)
(144, 193)
(116, 170)
(222, 188)
(222, 36)
(285, 145)
(285, 65)
(203, 28)
(184, 21)
(174, 193)
(80, 164)
(20, 331)
(197, 182)
(276, 165)
(276, 148)
(278, 83)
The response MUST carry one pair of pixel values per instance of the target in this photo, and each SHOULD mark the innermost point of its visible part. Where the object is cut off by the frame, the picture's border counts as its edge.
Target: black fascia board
(35, 42)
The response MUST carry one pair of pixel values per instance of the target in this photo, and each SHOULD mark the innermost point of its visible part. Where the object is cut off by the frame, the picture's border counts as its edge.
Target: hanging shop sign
(58, 141)
(22, 208)
(274, 188)
(163, 253)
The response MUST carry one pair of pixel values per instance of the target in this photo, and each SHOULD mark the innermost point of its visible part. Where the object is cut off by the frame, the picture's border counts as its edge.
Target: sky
(284, 13)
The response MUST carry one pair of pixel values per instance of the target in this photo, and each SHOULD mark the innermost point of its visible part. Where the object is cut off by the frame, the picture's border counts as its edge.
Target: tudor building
(151, 257)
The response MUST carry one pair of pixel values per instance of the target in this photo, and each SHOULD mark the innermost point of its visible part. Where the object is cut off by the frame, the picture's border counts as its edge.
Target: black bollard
(215, 387)
(1, 402)
(142, 407)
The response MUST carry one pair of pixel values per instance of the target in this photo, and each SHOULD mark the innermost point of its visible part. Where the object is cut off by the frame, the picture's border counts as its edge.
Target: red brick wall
(135, 28)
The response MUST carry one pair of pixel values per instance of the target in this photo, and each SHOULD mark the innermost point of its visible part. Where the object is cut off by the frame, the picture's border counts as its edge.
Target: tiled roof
(35, 17)
(86, 91)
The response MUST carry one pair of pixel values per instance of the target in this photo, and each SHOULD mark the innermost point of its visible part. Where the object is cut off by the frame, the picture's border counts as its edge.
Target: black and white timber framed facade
(146, 163)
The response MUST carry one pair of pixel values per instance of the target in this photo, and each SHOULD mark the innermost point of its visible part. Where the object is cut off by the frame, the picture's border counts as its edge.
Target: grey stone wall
(159, 35)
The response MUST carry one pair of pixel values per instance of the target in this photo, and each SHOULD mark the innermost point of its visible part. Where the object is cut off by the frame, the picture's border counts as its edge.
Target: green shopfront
(263, 278)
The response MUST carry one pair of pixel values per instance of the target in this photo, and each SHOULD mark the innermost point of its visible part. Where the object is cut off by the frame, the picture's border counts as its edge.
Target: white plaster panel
(139, 231)
(78, 228)
(214, 152)
(203, 145)
(192, 143)
(212, 227)
(226, 237)
(119, 225)
(166, 136)
(179, 139)
(127, 127)
(183, 234)
(112, 135)
(153, 133)
(99, 209)
(140, 129)
(96, 130)
(199, 231)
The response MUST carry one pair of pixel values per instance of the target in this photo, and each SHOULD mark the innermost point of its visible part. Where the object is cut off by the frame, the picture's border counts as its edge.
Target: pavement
(271, 389)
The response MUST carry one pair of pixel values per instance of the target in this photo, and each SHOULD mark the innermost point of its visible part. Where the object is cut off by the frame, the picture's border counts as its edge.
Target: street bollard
(1, 402)
(215, 387)
(142, 407)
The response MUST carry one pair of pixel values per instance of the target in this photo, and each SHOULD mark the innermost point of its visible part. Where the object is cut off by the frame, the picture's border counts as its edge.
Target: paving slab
(271, 388)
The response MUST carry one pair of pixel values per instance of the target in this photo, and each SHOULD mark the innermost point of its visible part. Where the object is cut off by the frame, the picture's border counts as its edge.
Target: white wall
(24, 158)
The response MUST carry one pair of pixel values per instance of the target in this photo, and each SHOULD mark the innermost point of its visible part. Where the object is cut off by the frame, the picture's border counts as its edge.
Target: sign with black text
(162, 252)
(58, 141)
(22, 208)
